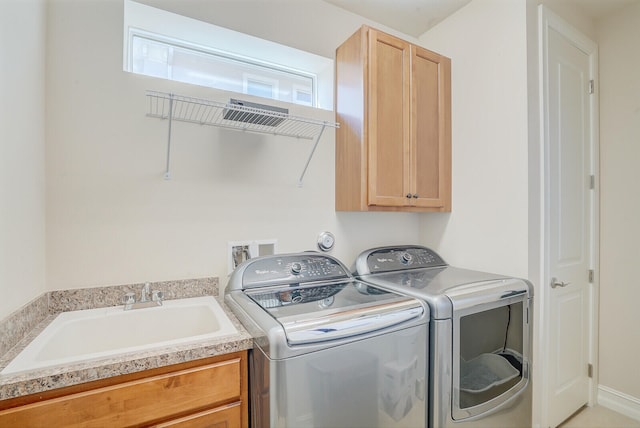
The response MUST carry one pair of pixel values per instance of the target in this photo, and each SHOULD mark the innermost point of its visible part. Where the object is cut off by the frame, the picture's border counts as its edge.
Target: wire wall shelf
(236, 116)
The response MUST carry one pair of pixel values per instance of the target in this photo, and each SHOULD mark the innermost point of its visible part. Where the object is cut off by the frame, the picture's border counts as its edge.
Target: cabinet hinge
(592, 182)
(590, 275)
(590, 370)
(591, 86)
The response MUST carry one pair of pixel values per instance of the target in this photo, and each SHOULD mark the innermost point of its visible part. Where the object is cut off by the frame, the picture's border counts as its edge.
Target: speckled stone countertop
(45, 379)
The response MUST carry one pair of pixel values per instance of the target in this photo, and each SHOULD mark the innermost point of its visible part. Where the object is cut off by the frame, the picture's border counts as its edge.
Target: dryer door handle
(512, 293)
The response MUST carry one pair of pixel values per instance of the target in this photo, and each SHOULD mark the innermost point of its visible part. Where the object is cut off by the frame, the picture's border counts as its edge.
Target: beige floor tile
(599, 417)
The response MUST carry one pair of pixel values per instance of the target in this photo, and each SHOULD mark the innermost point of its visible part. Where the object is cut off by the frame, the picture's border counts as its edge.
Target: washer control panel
(292, 269)
(388, 259)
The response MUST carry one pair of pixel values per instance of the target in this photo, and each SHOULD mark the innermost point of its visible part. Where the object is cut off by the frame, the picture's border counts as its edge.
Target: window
(260, 89)
(169, 46)
(302, 95)
(260, 86)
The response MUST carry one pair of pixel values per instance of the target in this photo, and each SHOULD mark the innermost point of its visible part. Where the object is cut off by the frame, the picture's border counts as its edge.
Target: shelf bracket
(313, 150)
(167, 172)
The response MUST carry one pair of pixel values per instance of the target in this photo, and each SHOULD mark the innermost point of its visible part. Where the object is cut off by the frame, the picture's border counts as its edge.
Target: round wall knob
(326, 241)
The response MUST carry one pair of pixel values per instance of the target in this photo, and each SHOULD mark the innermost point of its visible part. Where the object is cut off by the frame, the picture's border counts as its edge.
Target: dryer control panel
(389, 259)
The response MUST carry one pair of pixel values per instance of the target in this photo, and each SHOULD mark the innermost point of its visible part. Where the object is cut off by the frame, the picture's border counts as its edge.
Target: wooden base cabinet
(207, 393)
(393, 147)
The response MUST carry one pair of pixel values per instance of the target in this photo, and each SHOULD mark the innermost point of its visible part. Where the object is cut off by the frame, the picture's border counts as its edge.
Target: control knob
(296, 268)
(407, 258)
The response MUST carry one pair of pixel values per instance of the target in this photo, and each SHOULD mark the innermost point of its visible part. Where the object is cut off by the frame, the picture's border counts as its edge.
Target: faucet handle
(157, 296)
(129, 298)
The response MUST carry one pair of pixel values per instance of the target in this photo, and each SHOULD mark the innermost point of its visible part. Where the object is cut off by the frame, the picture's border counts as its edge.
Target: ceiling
(415, 17)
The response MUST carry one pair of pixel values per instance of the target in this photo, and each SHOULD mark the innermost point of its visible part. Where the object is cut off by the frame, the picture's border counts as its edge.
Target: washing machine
(329, 351)
(480, 333)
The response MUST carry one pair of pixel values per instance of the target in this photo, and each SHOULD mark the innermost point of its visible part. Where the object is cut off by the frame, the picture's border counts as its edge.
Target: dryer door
(491, 351)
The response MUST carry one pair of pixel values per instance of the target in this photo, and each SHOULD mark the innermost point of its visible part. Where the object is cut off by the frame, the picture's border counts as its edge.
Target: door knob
(555, 283)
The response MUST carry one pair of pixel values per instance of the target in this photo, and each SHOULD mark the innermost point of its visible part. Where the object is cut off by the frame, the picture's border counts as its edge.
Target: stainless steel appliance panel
(379, 381)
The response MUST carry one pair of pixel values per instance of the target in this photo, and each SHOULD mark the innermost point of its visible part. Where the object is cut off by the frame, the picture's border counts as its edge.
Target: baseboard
(620, 402)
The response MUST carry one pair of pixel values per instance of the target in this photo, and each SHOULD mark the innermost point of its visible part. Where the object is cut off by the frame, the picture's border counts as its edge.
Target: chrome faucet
(148, 298)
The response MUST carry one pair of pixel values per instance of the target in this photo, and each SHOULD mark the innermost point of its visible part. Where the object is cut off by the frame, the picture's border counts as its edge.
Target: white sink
(98, 333)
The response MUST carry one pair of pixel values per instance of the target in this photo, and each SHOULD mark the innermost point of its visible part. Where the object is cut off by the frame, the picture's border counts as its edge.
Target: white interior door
(570, 198)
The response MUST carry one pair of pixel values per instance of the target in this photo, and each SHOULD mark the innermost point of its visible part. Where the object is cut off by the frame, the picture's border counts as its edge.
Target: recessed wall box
(240, 251)
(261, 114)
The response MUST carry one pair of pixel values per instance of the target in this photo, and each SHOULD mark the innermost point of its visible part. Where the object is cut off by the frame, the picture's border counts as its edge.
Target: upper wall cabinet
(393, 148)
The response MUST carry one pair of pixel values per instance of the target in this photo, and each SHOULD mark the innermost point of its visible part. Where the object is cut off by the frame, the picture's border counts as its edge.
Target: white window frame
(188, 33)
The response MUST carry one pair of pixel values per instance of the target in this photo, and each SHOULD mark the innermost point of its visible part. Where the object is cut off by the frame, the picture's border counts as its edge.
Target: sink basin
(97, 333)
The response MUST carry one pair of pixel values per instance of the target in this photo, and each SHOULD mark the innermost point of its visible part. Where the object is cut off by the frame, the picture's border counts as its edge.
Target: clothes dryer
(480, 332)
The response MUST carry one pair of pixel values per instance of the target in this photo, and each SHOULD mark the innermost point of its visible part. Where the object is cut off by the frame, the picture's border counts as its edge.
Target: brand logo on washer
(264, 272)
(384, 260)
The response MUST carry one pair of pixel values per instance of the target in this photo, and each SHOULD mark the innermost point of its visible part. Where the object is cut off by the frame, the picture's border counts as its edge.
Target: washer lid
(331, 311)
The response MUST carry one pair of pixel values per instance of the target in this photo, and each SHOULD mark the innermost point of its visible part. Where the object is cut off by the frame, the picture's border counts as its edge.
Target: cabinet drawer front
(136, 402)
(222, 417)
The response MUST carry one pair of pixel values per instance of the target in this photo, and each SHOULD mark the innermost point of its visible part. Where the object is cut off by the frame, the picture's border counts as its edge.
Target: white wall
(310, 25)
(487, 228)
(22, 123)
(112, 219)
(618, 38)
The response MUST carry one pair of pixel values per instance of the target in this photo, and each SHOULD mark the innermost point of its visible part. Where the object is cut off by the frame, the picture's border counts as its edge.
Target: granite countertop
(39, 380)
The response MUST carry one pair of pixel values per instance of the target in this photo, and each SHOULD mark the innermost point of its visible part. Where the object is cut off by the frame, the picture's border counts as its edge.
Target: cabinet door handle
(408, 195)
(415, 196)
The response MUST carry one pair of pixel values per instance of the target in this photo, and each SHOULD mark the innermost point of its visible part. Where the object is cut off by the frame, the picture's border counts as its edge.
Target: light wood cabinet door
(430, 130)
(388, 111)
(393, 147)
